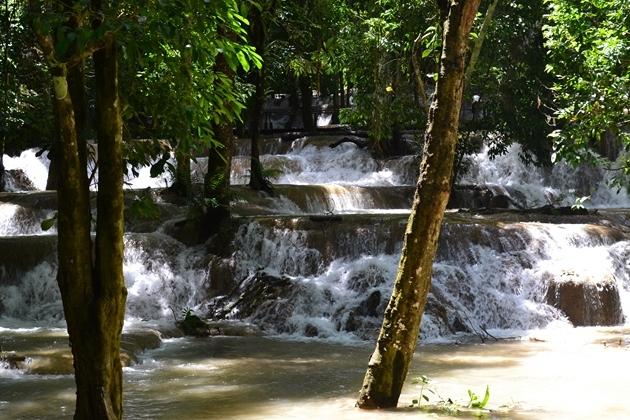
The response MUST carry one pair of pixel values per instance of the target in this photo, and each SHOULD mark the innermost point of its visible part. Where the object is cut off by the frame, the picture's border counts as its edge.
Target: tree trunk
(257, 37)
(389, 364)
(334, 119)
(307, 104)
(76, 89)
(183, 177)
(294, 102)
(485, 26)
(94, 293)
(2, 181)
(92, 287)
(217, 179)
(342, 91)
(110, 292)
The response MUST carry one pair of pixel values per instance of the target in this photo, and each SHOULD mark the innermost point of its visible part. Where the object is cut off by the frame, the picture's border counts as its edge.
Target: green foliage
(272, 172)
(510, 79)
(476, 402)
(589, 58)
(376, 45)
(49, 223)
(25, 108)
(172, 90)
(476, 406)
(188, 313)
(143, 206)
(579, 202)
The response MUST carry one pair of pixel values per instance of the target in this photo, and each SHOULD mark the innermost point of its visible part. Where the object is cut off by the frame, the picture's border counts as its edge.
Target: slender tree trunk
(74, 242)
(2, 177)
(390, 361)
(257, 37)
(110, 288)
(183, 177)
(420, 91)
(334, 119)
(217, 179)
(294, 102)
(307, 104)
(5, 95)
(485, 26)
(342, 91)
(76, 88)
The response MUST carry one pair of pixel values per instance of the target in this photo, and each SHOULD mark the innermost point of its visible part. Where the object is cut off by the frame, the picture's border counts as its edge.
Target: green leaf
(241, 59)
(47, 224)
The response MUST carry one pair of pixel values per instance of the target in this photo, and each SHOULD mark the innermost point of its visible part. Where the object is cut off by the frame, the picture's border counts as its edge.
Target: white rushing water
(162, 276)
(535, 186)
(328, 284)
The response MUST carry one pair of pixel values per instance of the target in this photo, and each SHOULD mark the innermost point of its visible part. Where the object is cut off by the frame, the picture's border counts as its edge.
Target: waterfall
(318, 258)
(490, 276)
(536, 186)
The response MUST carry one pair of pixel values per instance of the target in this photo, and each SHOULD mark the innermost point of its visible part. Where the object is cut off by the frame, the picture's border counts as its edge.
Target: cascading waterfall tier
(322, 262)
(309, 278)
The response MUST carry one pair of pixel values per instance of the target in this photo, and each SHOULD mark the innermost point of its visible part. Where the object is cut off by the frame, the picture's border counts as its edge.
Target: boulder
(586, 300)
(264, 299)
(220, 276)
(19, 181)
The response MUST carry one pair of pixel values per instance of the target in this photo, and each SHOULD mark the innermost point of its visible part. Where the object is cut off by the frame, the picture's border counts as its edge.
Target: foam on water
(498, 285)
(162, 276)
(346, 164)
(16, 220)
(535, 186)
(35, 167)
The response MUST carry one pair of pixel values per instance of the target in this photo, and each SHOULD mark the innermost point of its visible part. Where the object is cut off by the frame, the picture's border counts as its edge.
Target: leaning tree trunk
(389, 364)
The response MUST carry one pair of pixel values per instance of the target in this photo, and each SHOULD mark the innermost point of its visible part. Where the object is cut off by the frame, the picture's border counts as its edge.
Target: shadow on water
(254, 377)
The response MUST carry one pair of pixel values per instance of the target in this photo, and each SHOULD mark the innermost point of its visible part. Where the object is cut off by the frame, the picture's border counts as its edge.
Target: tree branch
(417, 71)
(487, 21)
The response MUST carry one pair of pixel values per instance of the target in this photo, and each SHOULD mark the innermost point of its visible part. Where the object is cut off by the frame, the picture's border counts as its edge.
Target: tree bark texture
(183, 177)
(109, 284)
(217, 178)
(257, 37)
(390, 361)
(76, 89)
(91, 284)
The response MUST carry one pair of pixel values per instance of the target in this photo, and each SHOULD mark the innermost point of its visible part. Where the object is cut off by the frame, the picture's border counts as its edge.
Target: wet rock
(264, 299)
(220, 276)
(352, 323)
(187, 230)
(311, 331)
(19, 181)
(499, 201)
(369, 307)
(366, 279)
(586, 301)
(12, 360)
